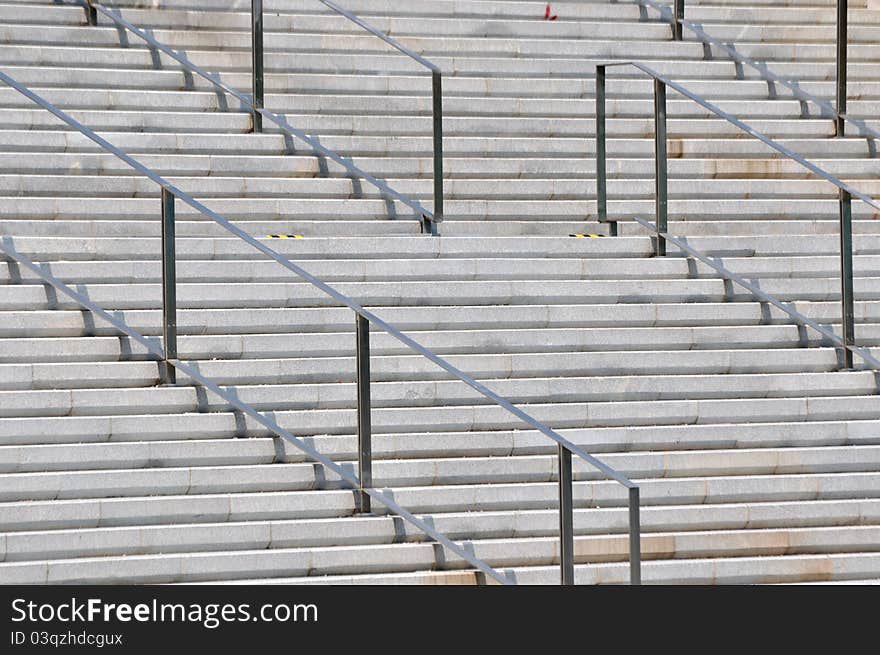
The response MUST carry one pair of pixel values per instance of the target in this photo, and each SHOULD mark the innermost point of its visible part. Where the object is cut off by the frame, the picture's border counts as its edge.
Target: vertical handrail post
(257, 62)
(169, 289)
(91, 13)
(601, 155)
(566, 518)
(661, 203)
(842, 39)
(437, 108)
(635, 538)
(677, 18)
(364, 420)
(846, 277)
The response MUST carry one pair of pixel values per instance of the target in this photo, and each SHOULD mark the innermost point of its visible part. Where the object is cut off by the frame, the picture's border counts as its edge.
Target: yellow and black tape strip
(284, 236)
(586, 236)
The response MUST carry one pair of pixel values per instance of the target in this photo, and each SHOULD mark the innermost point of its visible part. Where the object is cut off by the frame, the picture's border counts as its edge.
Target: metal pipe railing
(845, 191)
(169, 288)
(166, 353)
(841, 60)
(436, 98)
(361, 482)
(257, 81)
(837, 110)
(677, 18)
(436, 90)
(429, 221)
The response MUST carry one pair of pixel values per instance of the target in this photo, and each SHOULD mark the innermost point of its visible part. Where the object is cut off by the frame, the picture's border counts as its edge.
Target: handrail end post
(169, 289)
(257, 64)
(677, 18)
(601, 154)
(566, 518)
(429, 225)
(635, 538)
(661, 163)
(847, 294)
(437, 111)
(91, 13)
(841, 68)
(364, 419)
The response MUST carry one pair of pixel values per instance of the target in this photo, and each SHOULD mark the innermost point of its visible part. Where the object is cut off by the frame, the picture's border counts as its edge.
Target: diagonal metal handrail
(365, 318)
(677, 22)
(8, 248)
(754, 289)
(427, 217)
(846, 192)
(436, 98)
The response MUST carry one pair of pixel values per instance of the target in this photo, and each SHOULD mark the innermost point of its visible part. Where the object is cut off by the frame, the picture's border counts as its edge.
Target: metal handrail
(364, 318)
(757, 291)
(167, 356)
(230, 397)
(675, 17)
(428, 218)
(436, 97)
(845, 191)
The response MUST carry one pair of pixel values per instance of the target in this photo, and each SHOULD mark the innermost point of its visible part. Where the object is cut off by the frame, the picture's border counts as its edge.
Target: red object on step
(547, 15)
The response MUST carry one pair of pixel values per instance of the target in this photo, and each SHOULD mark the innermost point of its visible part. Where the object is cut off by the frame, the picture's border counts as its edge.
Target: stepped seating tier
(758, 458)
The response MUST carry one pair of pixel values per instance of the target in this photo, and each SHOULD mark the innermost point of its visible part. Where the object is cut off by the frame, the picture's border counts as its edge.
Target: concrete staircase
(759, 460)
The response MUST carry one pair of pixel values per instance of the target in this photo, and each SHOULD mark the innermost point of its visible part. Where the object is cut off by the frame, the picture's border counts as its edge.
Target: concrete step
(356, 268)
(283, 505)
(222, 450)
(204, 479)
(315, 396)
(412, 367)
(562, 415)
(323, 344)
(406, 557)
(303, 533)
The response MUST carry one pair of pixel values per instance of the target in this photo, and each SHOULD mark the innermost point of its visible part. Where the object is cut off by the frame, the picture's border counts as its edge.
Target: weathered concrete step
(342, 209)
(288, 32)
(232, 248)
(414, 367)
(305, 189)
(92, 542)
(643, 39)
(416, 293)
(12, 185)
(263, 450)
(802, 34)
(477, 75)
(786, 569)
(357, 269)
(364, 105)
(395, 84)
(570, 415)
(636, 124)
(488, 226)
(740, 570)
(411, 393)
(264, 321)
(190, 481)
(622, 24)
(403, 166)
(311, 18)
(481, 8)
(683, 59)
(213, 508)
(292, 345)
(309, 562)
(63, 144)
(384, 248)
